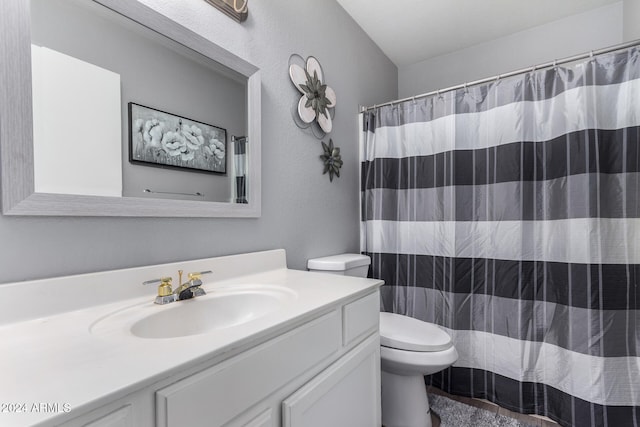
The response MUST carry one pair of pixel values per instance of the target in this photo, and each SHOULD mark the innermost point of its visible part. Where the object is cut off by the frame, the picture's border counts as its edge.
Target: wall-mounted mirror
(235, 9)
(111, 109)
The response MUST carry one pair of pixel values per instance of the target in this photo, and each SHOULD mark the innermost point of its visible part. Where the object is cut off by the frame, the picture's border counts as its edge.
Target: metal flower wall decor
(315, 106)
(332, 159)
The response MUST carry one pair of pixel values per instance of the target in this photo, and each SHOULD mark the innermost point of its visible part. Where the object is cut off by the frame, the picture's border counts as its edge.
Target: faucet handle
(194, 276)
(165, 291)
(164, 288)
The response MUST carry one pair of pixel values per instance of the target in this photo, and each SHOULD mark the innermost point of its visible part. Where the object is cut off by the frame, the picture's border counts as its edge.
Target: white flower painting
(162, 139)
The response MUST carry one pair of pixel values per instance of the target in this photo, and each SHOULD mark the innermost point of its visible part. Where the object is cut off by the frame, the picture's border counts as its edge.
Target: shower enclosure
(508, 213)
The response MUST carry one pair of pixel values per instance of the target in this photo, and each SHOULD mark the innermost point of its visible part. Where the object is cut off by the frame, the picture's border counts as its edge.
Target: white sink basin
(219, 309)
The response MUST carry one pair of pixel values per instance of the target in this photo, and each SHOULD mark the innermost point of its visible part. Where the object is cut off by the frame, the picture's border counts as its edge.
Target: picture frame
(166, 140)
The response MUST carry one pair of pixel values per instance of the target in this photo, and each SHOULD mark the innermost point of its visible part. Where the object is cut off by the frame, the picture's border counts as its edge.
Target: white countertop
(57, 359)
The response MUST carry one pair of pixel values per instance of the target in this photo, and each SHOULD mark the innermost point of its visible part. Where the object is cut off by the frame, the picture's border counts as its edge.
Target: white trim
(16, 126)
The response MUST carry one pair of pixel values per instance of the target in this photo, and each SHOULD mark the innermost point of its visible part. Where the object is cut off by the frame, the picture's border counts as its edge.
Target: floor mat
(456, 414)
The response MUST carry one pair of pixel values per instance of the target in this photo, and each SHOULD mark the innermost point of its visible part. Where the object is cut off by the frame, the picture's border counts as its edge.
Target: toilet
(409, 350)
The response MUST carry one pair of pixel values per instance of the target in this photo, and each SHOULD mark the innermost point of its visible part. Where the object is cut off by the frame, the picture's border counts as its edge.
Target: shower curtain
(508, 213)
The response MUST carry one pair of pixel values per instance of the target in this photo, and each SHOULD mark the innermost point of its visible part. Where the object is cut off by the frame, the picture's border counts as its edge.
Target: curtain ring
(555, 63)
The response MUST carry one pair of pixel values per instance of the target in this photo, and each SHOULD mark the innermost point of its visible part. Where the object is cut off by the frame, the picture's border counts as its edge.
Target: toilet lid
(407, 333)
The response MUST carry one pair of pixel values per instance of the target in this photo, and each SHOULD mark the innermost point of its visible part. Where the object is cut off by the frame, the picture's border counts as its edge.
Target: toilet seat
(409, 334)
(403, 362)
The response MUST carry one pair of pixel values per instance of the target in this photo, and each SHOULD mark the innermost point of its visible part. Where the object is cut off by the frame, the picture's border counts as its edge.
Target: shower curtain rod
(510, 74)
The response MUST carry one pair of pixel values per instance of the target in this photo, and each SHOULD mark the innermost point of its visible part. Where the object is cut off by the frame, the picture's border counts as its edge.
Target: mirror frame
(16, 126)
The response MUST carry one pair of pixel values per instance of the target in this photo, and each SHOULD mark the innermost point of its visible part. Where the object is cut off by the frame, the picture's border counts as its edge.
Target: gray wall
(631, 20)
(601, 27)
(302, 211)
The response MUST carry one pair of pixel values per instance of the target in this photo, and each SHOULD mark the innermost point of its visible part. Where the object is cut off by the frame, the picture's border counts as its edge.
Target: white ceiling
(410, 31)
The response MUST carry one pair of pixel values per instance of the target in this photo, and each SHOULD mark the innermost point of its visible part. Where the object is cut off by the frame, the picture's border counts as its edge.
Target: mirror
(234, 9)
(144, 70)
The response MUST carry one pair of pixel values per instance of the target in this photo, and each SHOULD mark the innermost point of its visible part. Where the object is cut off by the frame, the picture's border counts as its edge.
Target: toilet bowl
(409, 350)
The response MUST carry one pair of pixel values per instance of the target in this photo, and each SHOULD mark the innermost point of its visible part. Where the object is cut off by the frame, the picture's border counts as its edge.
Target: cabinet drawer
(361, 317)
(216, 395)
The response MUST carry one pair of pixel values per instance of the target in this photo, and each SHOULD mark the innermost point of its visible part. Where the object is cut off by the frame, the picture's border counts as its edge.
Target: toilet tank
(346, 264)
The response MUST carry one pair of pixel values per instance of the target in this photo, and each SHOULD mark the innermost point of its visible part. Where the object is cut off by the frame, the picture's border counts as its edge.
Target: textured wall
(631, 20)
(595, 29)
(301, 210)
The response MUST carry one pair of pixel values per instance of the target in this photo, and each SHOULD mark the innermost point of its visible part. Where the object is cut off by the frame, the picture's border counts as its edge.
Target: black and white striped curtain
(509, 214)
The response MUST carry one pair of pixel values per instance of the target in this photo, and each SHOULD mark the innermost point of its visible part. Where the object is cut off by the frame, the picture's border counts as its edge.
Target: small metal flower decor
(332, 159)
(315, 106)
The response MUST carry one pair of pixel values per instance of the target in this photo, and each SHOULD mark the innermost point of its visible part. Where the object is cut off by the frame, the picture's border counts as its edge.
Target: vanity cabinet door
(346, 394)
(219, 394)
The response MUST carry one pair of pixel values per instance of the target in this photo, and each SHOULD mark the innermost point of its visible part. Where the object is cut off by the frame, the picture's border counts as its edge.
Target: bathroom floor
(455, 411)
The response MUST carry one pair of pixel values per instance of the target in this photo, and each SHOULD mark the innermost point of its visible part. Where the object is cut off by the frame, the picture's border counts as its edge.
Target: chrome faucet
(189, 289)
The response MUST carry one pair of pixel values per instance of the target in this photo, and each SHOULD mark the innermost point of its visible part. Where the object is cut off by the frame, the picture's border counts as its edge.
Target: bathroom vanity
(267, 346)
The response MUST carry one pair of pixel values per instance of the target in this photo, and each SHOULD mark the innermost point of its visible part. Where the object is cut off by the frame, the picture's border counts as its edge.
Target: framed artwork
(161, 139)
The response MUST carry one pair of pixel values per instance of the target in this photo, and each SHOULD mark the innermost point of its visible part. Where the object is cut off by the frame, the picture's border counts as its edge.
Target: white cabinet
(360, 319)
(237, 384)
(344, 395)
(134, 410)
(119, 418)
(322, 372)
(265, 418)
